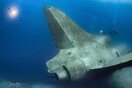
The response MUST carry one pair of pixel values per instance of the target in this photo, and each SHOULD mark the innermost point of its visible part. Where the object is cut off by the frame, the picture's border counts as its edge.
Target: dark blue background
(26, 43)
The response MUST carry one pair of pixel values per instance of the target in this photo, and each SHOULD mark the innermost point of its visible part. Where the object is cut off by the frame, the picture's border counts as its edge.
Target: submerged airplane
(79, 51)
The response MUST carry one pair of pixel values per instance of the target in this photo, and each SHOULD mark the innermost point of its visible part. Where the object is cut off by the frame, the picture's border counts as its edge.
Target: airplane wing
(123, 61)
(65, 32)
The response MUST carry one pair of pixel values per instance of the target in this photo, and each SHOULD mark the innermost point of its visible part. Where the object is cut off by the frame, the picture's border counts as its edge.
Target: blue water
(26, 43)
